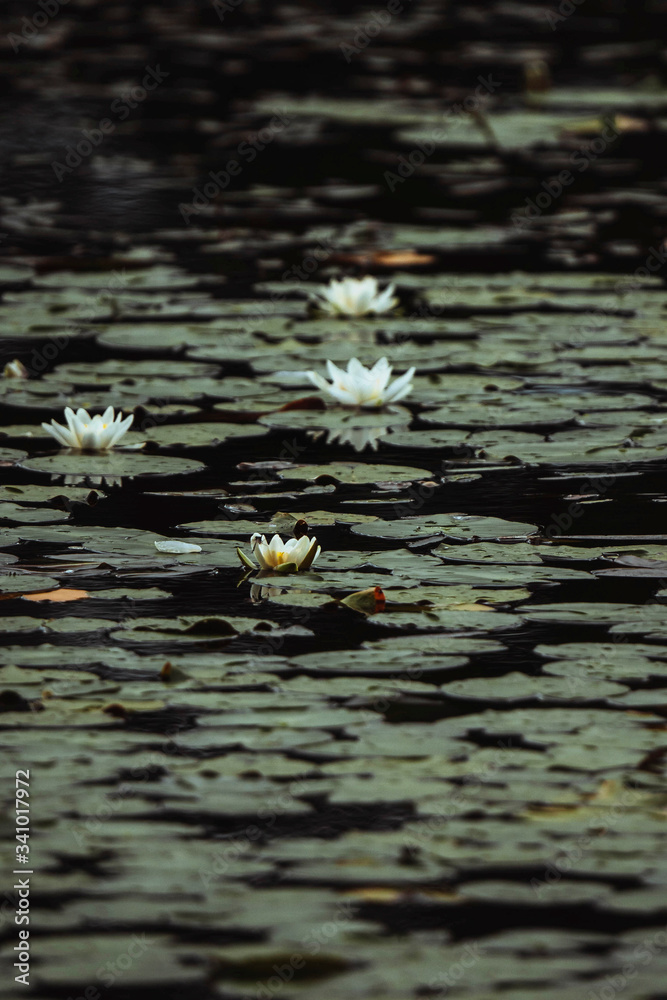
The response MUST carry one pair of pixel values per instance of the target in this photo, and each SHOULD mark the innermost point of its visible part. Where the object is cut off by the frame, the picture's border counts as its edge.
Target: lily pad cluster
(414, 744)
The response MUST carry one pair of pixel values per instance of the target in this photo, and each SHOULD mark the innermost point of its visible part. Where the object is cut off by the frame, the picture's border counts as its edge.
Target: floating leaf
(367, 602)
(58, 596)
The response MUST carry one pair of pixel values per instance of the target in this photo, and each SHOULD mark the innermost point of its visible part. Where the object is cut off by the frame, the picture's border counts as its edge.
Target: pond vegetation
(415, 746)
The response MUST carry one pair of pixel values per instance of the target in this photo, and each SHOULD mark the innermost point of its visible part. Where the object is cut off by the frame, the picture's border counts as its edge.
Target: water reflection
(359, 437)
(258, 593)
(363, 429)
(77, 479)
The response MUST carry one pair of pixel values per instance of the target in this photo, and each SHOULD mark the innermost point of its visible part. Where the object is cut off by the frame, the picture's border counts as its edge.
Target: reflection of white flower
(282, 557)
(354, 297)
(358, 437)
(259, 593)
(16, 369)
(87, 433)
(360, 386)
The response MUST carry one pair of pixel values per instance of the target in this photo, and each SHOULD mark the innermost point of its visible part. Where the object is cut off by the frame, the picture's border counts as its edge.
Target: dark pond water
(246, 785)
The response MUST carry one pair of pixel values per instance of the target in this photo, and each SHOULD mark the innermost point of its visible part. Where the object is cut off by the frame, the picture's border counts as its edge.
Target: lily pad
(77, 467)
(353, 472)
(456, 526)
(201, 435)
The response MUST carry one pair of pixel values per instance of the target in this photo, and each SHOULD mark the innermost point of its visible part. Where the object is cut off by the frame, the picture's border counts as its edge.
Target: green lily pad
(353, 472)
(12, 456)
(515, 687)
(31, 515)
(26, 583)
(201, 435)
(458, 526)
(112, 467)
(369, 663)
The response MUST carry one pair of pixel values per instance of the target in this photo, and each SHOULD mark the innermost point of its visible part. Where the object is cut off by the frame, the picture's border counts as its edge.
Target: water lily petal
(90, 441)
(355, 368)
(366, 299)
(381, 371)
(60, 433)
(174, 546)
(286, 567)
(276, 544)
(348, 397)
(72, 421)
(244, 559)
(311, 555)
(260, 549)
(120, 428)
(319, 381)
(400, 387)
(336, 374)
(292, 375)
(386, 300)
(297, 549)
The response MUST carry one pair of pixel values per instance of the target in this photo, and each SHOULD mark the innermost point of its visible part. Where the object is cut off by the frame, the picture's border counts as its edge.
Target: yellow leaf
(57, 595)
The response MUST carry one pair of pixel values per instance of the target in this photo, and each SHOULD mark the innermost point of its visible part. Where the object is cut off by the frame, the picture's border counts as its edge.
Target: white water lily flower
(360, 386)
(87, 433)
(16, 369)
(354, 297)
(282, 557)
